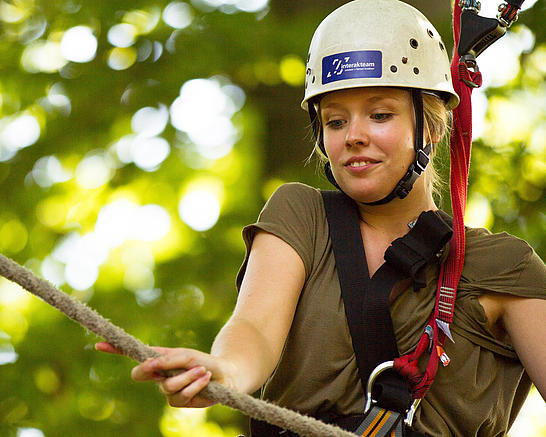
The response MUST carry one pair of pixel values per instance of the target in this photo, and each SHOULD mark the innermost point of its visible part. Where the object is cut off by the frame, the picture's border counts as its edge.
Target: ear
(429, 138)
(432, 139)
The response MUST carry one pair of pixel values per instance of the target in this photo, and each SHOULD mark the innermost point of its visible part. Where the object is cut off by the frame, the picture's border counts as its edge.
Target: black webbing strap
(365, 301)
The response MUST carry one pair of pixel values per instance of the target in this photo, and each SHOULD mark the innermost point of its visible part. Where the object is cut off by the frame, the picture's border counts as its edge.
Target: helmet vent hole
(414, 43)
(394, 69)
(445, 75)
(415, 70)
(430, 33)
(313, 80)
(442, 46)
(404, 60)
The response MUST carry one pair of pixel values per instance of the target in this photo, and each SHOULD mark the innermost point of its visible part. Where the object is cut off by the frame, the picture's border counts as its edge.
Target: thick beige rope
(130, 346)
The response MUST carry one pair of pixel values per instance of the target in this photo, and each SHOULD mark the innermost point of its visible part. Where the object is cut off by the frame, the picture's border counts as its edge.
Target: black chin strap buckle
(416, 169)
(421, 160)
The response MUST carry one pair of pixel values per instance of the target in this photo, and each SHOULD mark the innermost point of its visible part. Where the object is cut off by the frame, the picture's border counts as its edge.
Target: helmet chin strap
(416, 168)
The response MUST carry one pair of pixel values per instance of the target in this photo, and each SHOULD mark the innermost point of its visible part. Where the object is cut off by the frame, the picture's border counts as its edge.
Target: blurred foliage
(94, 188)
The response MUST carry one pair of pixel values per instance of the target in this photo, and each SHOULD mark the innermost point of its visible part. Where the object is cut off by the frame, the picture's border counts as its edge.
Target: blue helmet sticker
(351, 65)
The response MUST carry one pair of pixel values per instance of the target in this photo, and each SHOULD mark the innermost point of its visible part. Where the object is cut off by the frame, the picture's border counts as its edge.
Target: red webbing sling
(464, 81)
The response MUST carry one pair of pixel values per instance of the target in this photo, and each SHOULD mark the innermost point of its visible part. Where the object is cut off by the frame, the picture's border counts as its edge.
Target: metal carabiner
(371, 380)
(410, 413)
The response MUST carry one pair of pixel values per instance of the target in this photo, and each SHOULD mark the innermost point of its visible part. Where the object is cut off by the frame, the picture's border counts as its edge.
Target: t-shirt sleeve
(502, 263)
(290, 214)
(495, 263)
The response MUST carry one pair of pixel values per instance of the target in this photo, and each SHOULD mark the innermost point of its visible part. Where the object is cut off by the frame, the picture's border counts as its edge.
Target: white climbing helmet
(377, 43)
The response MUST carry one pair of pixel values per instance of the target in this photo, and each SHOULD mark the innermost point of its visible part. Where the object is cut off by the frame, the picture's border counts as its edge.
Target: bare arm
(254, 336)
(248, 347)
(524, 320)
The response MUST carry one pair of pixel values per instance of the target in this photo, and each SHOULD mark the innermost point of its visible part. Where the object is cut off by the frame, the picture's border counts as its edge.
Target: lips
(360, 161)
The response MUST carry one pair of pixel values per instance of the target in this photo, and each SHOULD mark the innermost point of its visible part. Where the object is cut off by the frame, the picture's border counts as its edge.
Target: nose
(356, 133)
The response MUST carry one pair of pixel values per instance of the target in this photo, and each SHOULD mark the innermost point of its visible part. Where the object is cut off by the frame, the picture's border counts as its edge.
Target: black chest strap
(366, 299)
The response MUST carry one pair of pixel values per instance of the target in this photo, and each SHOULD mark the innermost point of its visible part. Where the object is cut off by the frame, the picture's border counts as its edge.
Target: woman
(372, 64)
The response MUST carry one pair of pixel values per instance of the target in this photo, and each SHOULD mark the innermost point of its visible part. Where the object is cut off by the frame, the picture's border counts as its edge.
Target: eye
(335, 124)
(381, 116)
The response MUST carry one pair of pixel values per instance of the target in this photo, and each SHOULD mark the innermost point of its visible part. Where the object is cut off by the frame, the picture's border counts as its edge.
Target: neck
(391, 219)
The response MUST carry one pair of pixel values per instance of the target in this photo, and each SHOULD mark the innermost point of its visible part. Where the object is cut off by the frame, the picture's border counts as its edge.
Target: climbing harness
(389, 406)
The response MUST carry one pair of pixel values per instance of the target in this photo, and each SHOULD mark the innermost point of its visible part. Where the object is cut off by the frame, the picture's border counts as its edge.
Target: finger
(163, 350)
(179, 382)
(108, 348)
(171, 359)
(188, 396)
(146, 371)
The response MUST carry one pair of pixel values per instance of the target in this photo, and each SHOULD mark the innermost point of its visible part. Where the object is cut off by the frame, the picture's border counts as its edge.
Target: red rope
(464, 81)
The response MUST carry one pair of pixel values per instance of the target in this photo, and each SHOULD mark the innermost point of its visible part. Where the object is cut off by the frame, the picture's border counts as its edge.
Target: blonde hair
(436, 124)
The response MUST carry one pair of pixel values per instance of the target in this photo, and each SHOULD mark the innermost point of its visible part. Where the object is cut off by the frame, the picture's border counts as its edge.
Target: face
(368, 136)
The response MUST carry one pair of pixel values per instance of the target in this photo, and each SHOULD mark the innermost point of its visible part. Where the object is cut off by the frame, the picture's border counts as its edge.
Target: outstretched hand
(181, 390)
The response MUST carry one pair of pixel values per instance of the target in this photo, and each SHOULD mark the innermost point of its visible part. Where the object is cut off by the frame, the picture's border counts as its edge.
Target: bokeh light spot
(94, 407)
(7, 353)
(30, 432)
(43, 56)
(13, 236)
(203, 111)
(251, 5)
(93, 171)
(178, 15)
(121, 58)
(149, 121)
(79, 44)
(53, 271)
(152, 223)
(46, 380)
(292, 70)
(478, 212)
(48, 171)
(19, 132)
(52, 211)
(149, 153)
(122, 35)
(144, 21)
(199, 209)
(80, 275)
(14, 11)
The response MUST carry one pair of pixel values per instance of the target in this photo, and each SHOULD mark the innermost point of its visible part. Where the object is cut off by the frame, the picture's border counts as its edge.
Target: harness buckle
(410, 413)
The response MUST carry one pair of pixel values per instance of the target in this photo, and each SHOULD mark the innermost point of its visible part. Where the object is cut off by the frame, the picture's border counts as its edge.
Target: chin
(362, 195)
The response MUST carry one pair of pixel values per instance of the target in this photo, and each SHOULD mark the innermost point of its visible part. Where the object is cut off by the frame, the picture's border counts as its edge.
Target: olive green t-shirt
(477, 394)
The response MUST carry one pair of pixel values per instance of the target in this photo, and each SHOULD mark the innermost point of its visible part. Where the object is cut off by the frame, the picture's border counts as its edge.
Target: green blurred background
(138, 137)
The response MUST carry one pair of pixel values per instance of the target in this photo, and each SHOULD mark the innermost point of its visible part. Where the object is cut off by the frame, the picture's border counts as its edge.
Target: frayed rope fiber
(133, 348)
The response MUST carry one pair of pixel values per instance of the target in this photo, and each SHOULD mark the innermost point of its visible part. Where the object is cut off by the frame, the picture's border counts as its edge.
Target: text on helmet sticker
(351, 65)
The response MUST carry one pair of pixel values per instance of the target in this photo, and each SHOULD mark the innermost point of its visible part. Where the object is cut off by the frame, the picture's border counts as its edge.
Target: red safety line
(464, 81)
